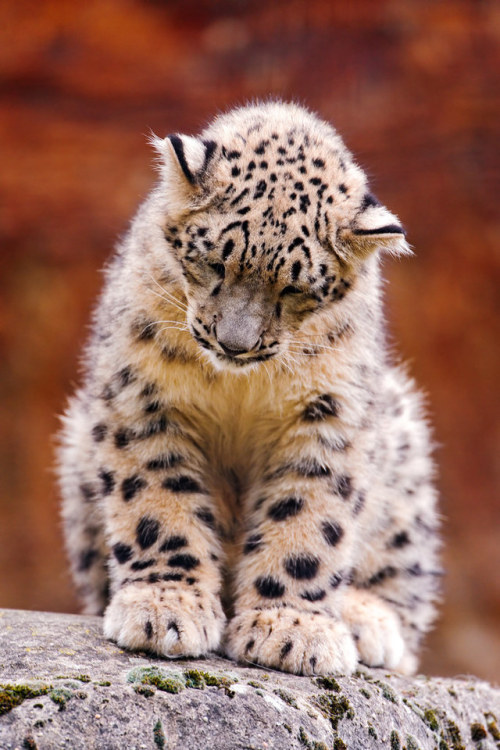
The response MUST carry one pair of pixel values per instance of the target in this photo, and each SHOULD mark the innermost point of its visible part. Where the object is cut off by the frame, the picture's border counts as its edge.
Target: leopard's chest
(239, 419)
(239, 422)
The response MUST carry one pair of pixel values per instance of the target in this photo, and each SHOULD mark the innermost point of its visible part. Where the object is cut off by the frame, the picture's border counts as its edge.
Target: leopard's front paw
(291, 640)
(377, 631)
(168, 621)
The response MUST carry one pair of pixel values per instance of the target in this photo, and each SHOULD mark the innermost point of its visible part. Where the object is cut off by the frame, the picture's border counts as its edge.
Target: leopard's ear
(182, 164)
(374, 226)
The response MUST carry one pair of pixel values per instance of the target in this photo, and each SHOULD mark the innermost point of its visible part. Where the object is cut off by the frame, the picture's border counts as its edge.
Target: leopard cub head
(268, 223)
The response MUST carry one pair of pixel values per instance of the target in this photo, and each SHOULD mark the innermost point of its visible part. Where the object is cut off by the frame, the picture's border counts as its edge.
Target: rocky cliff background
(411, 84)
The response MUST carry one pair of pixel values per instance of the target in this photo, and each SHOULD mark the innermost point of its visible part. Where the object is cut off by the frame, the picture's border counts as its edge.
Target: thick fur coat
(243, 466)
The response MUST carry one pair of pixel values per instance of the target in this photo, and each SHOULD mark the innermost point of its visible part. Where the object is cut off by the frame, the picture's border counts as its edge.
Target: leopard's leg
(160, 520)
(391, 602)
(298, 551)
(81, 488)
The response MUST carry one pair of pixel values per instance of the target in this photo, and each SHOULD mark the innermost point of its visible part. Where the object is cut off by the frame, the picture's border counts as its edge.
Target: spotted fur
(243, 467)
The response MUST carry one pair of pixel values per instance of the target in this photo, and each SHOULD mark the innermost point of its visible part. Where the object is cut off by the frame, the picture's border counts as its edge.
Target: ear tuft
(183, 163)
(376, 227)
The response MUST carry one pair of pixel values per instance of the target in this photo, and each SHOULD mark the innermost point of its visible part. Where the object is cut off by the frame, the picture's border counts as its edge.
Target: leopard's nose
(234, 339)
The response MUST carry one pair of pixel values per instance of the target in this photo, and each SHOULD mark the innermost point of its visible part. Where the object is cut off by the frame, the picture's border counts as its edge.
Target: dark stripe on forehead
(230, 245)
(228, 249)
(239, 197)
(297, 241)
(232, 225)
(296, 269)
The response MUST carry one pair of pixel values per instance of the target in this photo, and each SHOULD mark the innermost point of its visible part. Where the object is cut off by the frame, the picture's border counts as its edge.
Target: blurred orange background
(411, 85)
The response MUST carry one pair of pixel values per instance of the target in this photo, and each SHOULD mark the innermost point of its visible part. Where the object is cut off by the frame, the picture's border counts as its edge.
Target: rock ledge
(62, 685)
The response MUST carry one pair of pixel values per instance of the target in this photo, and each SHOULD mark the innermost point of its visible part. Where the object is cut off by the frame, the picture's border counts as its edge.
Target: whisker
(284, 362)
(172, 328)
(268, 373)
(169, 301)
(146, 327)
(175, 299)
(168, 295)
(293, 360)
(166, 291)
(178, 322)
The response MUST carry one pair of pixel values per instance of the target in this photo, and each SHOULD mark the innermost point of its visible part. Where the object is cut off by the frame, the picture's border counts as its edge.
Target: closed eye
(290, 290)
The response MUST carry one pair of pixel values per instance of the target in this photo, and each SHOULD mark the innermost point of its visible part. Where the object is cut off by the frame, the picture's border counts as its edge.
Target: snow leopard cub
(243, 467)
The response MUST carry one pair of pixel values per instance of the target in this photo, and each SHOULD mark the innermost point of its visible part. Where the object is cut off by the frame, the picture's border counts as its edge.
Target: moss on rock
(411, 743)
(327, 683)
(173, 682)
(430, 719)
(395, 741)
(286, 697)
(452, 734)
(478, 732)
(13, 695)
(61, 696)
(159, 735)
(493, 729)
(335, 708)
(169, 683)
(308, 743)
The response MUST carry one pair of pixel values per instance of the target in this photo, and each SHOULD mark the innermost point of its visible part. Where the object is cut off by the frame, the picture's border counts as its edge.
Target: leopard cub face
(245, 312)
(269, 220)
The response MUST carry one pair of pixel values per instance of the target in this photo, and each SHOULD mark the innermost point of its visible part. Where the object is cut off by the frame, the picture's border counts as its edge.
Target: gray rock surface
(62, 685)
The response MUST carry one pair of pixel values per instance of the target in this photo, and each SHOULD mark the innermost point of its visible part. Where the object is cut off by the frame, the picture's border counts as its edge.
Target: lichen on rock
(88, 689)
